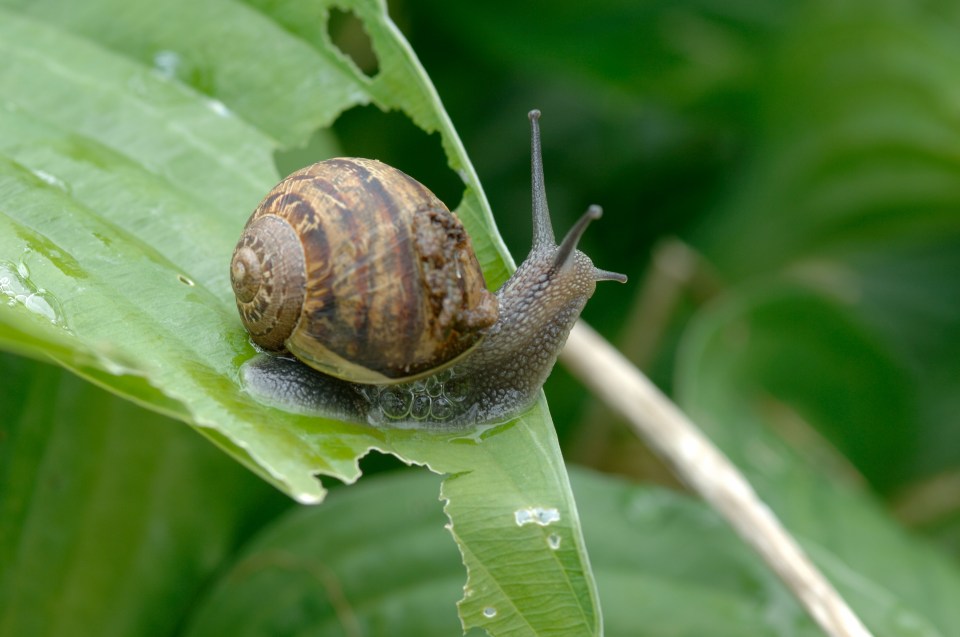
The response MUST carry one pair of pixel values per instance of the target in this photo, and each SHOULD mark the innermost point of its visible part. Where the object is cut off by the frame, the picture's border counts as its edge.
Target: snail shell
(362, 273)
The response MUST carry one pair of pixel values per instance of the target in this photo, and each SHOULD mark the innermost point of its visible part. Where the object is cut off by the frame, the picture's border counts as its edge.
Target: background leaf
(112, 518)
(853, 191)
(731, 387)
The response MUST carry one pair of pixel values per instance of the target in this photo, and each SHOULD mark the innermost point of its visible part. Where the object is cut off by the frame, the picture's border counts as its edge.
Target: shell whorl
(268, 276)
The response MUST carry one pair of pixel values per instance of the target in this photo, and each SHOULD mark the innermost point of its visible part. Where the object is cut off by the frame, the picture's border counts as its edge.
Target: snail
(368, 289)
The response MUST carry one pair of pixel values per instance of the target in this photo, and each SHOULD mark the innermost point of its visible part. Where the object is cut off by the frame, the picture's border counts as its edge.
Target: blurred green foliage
(781, 181)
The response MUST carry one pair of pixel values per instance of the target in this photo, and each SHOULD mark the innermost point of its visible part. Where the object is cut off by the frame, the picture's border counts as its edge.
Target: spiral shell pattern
(362, 273)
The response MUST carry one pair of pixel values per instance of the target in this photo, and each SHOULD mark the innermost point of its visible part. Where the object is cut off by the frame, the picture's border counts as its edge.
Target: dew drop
(51, 180)
(112, 363)
(523, 516)
(489, 612)
(218, 107)
(536, 515)
(166, 63)
(15, 284)
(46, 305)
(553, 541)
(185, 280)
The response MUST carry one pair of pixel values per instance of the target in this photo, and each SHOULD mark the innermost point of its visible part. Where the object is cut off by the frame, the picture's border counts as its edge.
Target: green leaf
(733, 380)
(135, 138)
(331, 568)
(504, 508)
(782, 344)
(681, 52)
(658, 554)
(851, 188)
(374, 560)
(112, 517)
(837, 327)
(856, 142)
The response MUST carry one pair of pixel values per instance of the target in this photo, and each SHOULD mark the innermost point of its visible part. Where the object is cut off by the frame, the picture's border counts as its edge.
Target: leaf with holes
(135, 139)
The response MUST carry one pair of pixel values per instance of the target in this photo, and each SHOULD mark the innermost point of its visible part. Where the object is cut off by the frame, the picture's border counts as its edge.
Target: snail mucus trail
(495, 351)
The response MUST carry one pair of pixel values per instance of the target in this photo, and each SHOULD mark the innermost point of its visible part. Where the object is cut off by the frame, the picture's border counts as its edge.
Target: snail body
(361, 273)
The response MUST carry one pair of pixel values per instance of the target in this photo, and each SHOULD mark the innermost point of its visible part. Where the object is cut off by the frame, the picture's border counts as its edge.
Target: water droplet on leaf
(536, 515)
(51, 180)
(19, 289)
(166, 63)
(218, 107)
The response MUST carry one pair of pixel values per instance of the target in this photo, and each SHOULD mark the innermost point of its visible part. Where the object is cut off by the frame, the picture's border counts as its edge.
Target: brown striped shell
(360, 272)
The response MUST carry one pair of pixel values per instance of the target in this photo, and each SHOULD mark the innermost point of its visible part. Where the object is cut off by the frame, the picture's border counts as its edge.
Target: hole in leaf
(389, 137)
(320, 146)
(347, 34)
(392, 138)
